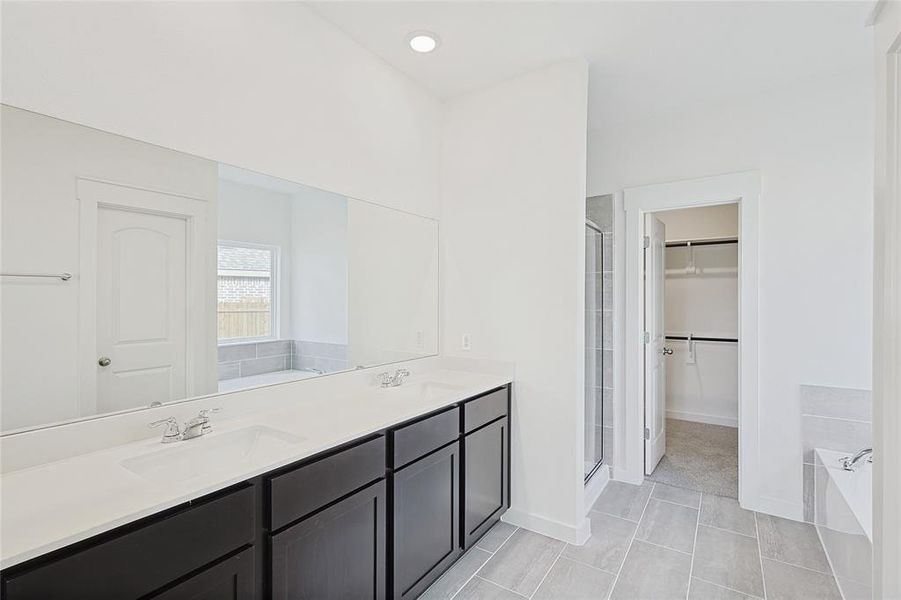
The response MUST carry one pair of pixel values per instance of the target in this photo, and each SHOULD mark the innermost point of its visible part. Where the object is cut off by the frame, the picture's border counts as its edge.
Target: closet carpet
(700, 457)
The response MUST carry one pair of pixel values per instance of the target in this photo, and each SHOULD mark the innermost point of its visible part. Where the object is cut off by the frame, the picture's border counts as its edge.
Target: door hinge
(646, 242)
(647, 433)
(646, 337)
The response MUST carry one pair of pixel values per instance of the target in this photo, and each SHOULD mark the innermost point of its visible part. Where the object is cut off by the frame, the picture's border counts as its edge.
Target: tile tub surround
(256, 358)
(834, 418)
(844, 521)
(324, 356)
(323, 412)
(716, 553)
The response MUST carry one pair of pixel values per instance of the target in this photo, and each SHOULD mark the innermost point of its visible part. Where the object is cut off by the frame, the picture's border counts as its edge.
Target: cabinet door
(486, 489)
(337, 553)
(426, 520)
(231, 579)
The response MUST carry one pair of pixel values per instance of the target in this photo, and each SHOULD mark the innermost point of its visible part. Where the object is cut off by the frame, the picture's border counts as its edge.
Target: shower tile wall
(599, 210)
(836, 419)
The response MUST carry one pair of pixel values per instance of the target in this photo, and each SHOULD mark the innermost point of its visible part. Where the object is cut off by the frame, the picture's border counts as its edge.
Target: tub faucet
(849, 462)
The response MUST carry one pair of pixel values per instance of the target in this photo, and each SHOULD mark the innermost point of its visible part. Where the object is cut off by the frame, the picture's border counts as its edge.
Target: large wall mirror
(134, 275)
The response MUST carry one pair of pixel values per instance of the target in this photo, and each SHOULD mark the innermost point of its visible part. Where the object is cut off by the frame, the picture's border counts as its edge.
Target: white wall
(701, 298)
(813, 145)
(392, 274)
(270, 87)
(248, 213)
(42, 157)
(512, 221)
(319, 255)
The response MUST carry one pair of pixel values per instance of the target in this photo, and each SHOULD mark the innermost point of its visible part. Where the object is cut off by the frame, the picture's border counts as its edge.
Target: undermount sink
(210, 454)
(423, 389)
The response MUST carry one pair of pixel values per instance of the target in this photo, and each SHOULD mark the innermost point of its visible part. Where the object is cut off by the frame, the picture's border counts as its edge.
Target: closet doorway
(743, 190)
(691, 362)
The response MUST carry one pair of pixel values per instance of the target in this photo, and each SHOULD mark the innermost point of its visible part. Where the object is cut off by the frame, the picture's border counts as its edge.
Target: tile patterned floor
(649, 542)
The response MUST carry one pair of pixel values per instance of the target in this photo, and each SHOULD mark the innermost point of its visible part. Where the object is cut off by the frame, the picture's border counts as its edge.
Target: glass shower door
(594, 344)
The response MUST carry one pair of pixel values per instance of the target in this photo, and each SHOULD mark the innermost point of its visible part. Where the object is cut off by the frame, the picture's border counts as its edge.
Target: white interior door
(655, 349)
(142, 303)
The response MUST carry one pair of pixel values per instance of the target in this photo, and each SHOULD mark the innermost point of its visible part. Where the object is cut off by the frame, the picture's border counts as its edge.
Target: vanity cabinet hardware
(426, 513)
(313, 485)
(231, 578)
(484, 409)
(340, 552)
(104, 361)
(425, 435)
(145, 557)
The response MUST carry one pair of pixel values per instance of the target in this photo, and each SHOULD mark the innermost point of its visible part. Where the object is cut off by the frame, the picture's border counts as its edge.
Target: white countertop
(50, 506)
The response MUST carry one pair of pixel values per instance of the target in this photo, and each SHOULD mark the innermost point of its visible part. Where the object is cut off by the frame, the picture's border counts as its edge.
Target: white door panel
(655, 357)
(141, 308)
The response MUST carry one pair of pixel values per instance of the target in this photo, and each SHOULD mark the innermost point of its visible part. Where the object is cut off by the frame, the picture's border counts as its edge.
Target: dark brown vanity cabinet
(486, 463)
(328, 527)
(178, 554)
(383, 516)
(337, 553)
(231, 579)
(426, 503)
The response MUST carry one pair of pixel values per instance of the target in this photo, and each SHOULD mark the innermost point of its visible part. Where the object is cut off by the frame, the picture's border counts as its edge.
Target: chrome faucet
(171, 433)
(388, 380)
(196, 427)
(849, 462)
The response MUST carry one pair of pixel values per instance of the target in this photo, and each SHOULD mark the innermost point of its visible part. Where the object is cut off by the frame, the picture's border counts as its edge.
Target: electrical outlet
(466, 343)
(420, 339)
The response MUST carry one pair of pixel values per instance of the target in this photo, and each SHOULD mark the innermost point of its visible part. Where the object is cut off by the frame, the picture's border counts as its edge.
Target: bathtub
(252, 381)
(843, 516)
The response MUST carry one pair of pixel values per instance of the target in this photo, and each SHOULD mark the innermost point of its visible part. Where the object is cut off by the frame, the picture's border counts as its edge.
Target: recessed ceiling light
(422, 41)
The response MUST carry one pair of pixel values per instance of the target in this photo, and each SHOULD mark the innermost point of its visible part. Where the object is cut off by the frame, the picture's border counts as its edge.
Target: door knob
(667, 351)
(104, 361)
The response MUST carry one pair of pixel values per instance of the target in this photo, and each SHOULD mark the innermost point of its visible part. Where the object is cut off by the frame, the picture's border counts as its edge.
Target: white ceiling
(647, 59)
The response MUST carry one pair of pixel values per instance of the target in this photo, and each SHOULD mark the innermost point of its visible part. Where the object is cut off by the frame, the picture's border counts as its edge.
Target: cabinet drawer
(485, 409)
(231, 578)
(145, 559)
(338, 553)
(299, 492)
(419, 438)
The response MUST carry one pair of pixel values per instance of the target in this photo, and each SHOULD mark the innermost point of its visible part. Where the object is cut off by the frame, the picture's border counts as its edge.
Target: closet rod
(701, 243)
(698, 338)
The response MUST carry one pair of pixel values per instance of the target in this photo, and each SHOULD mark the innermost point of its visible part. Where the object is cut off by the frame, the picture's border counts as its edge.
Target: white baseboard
(777, 508)
(559, 531)
(682, 415)
(595, 486)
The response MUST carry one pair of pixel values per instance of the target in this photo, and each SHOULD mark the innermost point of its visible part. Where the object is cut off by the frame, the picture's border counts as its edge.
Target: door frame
(735, 188)
(886, 18)
(93, 194)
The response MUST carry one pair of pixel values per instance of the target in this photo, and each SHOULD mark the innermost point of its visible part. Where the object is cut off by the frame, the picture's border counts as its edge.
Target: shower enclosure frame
(596, 350)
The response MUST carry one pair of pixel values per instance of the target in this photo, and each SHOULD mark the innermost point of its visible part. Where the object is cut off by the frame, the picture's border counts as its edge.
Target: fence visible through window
(245, 292)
